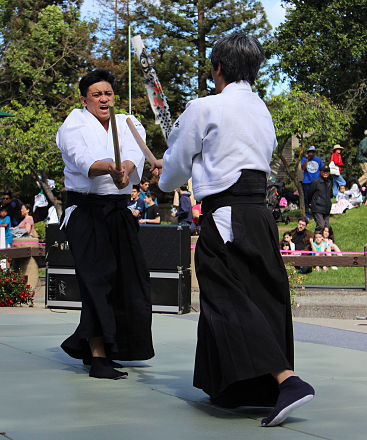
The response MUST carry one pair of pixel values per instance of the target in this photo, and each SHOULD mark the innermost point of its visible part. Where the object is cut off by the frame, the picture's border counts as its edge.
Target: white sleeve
(130, 149)
(184, 142)
(75, 148)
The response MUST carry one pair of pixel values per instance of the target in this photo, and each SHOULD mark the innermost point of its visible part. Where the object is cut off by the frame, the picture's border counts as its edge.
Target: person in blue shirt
(5, 222)
(136, 204)
(310, 165)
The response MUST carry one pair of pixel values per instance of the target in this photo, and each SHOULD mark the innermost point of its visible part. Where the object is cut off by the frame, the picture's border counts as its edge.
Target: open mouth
(104, 107)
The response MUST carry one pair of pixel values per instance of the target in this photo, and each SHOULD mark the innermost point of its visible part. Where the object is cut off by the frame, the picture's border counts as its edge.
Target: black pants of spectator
(321, 220)
(306, 189)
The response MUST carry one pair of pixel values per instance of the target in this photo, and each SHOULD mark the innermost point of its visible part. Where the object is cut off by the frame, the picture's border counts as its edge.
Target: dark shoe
(101, 369)
(294, 393)
(88, 361)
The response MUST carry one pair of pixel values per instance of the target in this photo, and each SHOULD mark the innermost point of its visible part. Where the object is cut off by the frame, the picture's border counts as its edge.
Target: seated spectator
(354, 192)
(195, 224)
(318, 246)
(13, 207)
(341, 194)
(136, 204)
(144, 190)
(301, 239)
(152, 212)
(342, 202)
(328, 240)
(287, 237)
(26, 226)
(285, 246)
(184, 212)
(5, 222)
(301, 236)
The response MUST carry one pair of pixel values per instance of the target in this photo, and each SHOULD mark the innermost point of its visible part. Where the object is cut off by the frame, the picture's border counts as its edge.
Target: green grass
(350, 234)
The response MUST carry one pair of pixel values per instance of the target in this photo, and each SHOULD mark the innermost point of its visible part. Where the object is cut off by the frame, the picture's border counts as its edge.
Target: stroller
(273, 199)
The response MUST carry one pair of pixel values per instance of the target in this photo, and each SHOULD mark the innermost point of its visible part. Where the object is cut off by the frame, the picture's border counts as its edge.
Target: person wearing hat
(336, 157)
(310, 165)
(362, 159)
(319, 198)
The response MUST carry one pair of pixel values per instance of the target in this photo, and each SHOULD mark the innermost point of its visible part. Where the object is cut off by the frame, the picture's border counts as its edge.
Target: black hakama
(245, 325)
(113, 279)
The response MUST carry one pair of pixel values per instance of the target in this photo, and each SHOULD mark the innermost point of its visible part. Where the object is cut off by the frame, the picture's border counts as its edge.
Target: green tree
(322, 47)
(182, 33)
(306, 116)
(43, 55)
(28, 151)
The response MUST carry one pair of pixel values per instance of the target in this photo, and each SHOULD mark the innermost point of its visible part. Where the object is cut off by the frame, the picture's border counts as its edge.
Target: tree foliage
(322, 47)
(183, 31)
(46, 60)
(312, 119)
(28, 147)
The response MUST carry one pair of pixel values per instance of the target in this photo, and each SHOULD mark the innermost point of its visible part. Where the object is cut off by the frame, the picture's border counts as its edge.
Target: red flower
(7, 280)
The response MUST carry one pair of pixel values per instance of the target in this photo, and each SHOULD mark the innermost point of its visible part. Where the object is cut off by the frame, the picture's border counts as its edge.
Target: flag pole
(129, 42)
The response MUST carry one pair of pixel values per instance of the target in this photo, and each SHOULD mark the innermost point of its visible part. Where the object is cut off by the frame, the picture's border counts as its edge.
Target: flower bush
(294, 279)
(14, 290)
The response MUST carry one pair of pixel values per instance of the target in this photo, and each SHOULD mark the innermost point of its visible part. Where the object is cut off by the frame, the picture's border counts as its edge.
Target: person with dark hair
(301, 236)
(5, 222)
(184, 213)
(13, 207)
(310, 165)
(244, 352)
(115, 322)
(152, 215)
(136, 204)
(319, 198)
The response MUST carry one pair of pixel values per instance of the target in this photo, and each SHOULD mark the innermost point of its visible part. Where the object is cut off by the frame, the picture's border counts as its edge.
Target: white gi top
(215, 138)
(83, 140)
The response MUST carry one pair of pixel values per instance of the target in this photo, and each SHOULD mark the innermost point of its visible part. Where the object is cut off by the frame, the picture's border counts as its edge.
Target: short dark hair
(93, 77)
(27, 206)
(137, 187)
(240, 57)
(3, 208)
(303, 219)
(144, 180)
(151, 195)
(7, 193)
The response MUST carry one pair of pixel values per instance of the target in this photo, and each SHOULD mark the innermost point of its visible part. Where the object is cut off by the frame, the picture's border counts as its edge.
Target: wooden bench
(330, 260)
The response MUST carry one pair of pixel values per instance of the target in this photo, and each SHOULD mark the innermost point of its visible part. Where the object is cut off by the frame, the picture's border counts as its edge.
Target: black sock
(101, 369)
(294, 392)
(88, 361)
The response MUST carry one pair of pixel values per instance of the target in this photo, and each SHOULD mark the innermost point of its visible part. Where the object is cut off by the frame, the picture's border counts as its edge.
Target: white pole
(129, 70)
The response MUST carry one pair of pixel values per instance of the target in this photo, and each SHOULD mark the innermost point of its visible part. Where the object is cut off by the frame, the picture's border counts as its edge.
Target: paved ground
(45, 395)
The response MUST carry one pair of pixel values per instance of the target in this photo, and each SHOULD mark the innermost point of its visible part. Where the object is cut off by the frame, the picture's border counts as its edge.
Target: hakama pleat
(245, 325)
(113, 281)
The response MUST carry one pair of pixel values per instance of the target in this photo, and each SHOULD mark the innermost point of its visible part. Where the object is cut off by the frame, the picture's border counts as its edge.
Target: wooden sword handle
(146, 151)
(116, 145)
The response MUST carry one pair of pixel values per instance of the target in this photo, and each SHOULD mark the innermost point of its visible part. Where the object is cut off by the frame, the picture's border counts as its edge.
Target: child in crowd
(318, 246)
(328, 240)
(341, 194)
(5, 222)
(287, 237)
(285, 246)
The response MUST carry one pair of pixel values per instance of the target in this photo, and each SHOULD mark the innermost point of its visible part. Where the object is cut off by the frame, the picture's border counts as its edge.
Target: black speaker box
(171, 291)
(58, 253)
(166, 247)
(62, 289)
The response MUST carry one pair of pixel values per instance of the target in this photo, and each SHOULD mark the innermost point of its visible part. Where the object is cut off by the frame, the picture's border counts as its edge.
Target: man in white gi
(225, 142)
(115, 321)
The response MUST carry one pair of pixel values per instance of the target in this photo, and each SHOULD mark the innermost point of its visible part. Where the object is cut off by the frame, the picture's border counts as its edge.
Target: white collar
(240, 85)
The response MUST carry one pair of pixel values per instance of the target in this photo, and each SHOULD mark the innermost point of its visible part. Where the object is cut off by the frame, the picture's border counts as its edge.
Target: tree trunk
(201, 51)
(48, 192)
